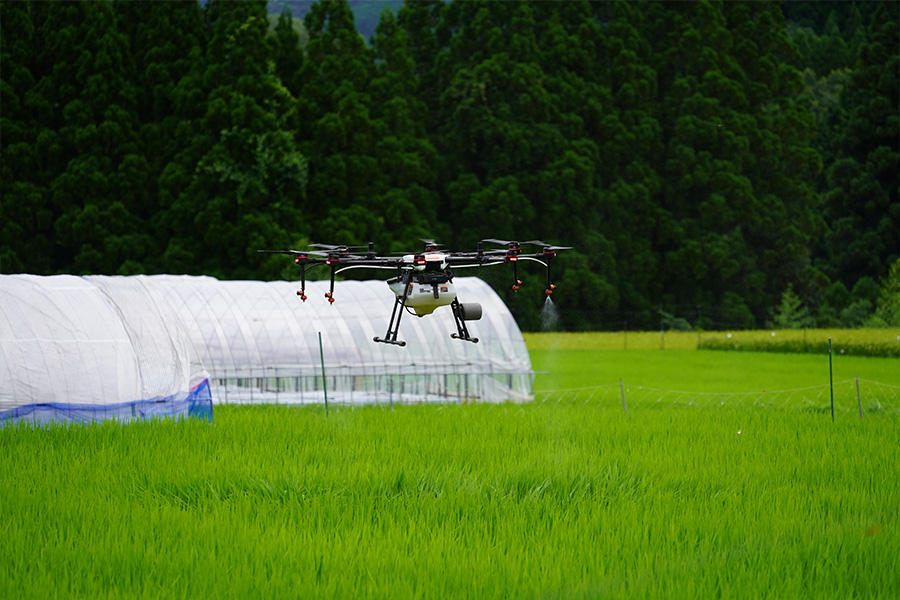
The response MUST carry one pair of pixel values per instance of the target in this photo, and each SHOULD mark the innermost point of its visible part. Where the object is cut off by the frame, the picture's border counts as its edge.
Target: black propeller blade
(546, 246)
(501, 242)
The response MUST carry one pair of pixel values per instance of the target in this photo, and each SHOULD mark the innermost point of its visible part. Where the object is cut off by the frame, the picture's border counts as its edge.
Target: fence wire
(852, 397)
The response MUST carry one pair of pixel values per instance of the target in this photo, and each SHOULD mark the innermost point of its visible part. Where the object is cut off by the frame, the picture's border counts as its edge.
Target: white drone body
(425, 294)
(424, 298)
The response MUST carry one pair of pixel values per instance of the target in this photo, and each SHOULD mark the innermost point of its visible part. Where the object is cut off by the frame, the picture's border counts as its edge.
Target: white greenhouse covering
(90, 348)
(83, 348)
(260, 343)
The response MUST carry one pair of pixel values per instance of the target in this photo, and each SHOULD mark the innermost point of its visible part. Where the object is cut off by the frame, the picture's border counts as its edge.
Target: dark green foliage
(862, 203)
(336, 131)
(701, 157)
(888, 313)
(240, 171)
(26, 219)
(75, 165)
(791, 313)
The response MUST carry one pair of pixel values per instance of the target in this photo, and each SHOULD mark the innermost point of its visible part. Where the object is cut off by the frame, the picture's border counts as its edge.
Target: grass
(702, 377)
(859, 342)
(463, 501)
(472, 501)
(565, 499)
(702, 370)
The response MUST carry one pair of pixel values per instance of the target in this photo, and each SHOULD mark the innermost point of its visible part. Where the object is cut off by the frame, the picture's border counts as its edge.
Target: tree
(862, 206)
(337, 133)
(245, 174)
(289, 51)
(888, 312)
(736, 203)
(791, 313)
(166, 40)
(81, 155)
(26, 217)
(407, 160)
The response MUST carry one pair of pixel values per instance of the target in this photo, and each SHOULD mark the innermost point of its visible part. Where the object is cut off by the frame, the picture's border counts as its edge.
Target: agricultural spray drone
(424, 280)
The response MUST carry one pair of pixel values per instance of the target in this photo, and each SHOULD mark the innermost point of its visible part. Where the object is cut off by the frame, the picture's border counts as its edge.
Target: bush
(856, 342)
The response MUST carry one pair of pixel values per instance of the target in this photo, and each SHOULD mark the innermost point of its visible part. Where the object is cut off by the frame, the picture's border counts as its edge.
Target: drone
(424, 280)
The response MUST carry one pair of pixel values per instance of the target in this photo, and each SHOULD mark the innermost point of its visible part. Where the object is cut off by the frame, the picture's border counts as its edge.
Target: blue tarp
(195, 403)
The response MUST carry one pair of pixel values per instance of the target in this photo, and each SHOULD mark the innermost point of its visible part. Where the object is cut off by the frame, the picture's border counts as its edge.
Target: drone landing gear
(394, 326)
(461, 314)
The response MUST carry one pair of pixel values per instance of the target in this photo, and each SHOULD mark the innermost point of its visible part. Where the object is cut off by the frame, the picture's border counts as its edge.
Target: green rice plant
(564, 499)
(717, 379)
(857, 342)
(613, 340)
(702, 371)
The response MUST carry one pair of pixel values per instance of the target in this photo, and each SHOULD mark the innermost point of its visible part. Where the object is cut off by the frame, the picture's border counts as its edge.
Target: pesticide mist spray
(549, 315)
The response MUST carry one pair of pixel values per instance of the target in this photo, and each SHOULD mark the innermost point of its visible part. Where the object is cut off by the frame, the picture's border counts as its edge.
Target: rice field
(856, 342)
(569, 498)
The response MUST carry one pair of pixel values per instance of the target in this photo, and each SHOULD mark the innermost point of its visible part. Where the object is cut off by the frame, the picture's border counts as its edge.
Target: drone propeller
(335, 246)
(512, 247)
(340, 249)
(501, 242)
(546, 246)
(289, 252)
(430, 244)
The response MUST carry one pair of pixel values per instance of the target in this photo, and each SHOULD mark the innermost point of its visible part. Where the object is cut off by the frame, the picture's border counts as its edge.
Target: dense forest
(714, 164)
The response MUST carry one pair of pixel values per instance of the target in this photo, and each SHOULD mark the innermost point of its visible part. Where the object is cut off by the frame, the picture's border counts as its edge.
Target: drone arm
(330, 293)
(379, 266)
(531, 258)
(550, 287)
(484, 264)
(302, 291)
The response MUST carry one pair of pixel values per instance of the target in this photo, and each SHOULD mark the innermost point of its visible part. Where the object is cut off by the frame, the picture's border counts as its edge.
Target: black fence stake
(831, 379)
(324, 384)
(858, 401)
